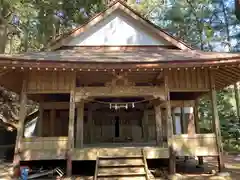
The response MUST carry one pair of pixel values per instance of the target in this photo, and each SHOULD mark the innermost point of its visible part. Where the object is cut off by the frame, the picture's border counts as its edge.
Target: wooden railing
(43, 148)
(44, 143)
(195, 145)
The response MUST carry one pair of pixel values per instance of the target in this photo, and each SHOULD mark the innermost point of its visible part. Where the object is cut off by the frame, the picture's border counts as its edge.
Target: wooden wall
(151, 125)
(54, 123)
(49, 82)
(130, 127)
(188, 79)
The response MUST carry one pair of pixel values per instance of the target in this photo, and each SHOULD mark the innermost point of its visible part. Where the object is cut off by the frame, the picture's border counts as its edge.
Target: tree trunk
(3, 37)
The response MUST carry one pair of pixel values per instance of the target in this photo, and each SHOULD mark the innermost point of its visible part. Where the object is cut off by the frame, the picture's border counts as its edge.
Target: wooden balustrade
(44, 143)
(195, 145)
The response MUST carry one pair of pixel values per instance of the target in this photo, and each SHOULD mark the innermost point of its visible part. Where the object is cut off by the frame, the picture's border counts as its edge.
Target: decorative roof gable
(118, 25)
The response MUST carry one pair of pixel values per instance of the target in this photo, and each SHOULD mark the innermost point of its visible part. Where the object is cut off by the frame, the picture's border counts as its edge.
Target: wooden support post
(158, 118)
(197, 128)
(174, 121)
(172, 156)
(145, 125)
(216, 122)
(40, 121)
(71, 125)
(182, 120)
(90, 122)
(22, 116)
(236, 92)
(80, 123)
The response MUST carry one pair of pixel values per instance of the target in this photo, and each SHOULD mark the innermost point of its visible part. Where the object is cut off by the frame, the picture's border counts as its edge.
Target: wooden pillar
(197, 128)
(182, 120)
(40, 121)
(172, 156)
(90, 122)
(190, 123)
(80, 123)
(158, 118)
(216, 122)
(71, 125)
(174, 121)
(22, 116)
(145, 125)
(52, 121)
(236, 92)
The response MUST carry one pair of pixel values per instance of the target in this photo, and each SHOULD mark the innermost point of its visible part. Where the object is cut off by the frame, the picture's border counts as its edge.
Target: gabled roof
(119, 4)
(138, 55)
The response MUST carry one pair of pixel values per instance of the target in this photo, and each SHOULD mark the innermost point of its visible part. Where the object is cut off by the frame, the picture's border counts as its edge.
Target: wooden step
(121, 166)
(122, 175)
(123, 178)
(121, 170)
(120, 162)
(119, 157)
(124, 152)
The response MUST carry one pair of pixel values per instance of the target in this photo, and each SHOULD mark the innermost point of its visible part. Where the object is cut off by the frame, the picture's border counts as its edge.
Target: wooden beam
(55, 105)
(189, 89)
(120, 91)
(180, 103)
(172, 156)
(22, 116)
(158, 118)
(216, 122)
(71, 125)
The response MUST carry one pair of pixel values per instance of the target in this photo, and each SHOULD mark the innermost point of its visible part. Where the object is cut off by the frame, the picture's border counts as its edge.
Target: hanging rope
(118, 105)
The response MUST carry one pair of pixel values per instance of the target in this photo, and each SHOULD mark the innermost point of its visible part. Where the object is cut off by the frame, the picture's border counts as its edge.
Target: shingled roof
(143, 55)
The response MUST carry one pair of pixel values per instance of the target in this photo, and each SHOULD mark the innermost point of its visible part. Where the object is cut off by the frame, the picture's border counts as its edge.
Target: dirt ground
(232, 166)
(186, 171)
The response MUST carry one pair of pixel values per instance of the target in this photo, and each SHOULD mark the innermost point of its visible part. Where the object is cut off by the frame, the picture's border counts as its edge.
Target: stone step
(121, 171)
(121, 162)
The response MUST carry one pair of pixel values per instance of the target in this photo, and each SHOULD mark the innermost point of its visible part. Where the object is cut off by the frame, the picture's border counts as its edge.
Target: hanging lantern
(15, 20)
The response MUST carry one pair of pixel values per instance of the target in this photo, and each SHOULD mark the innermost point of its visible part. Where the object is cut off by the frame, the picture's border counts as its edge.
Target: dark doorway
(117, 126)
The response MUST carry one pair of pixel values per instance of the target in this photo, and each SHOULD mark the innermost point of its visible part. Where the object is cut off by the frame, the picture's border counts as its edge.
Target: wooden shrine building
(117, 86)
